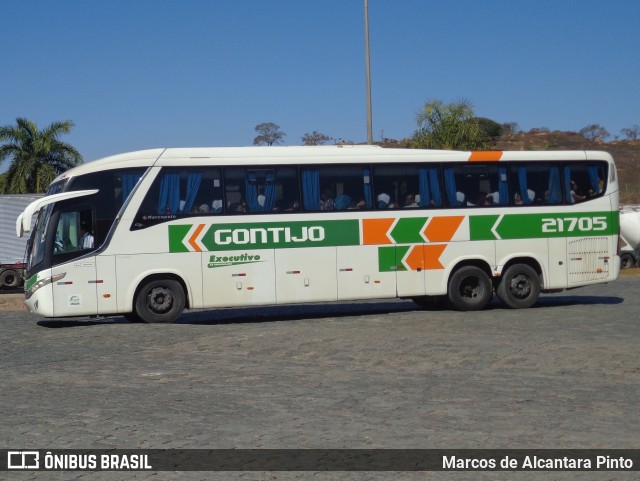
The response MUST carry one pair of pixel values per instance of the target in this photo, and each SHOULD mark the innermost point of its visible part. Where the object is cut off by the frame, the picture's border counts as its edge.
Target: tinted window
(475, 185)
(407, 186)
(336, 187)
(179, 192)
(257, 190)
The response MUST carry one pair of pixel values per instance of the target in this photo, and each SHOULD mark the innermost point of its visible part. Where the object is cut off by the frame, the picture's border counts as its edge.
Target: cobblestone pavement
(564, 374)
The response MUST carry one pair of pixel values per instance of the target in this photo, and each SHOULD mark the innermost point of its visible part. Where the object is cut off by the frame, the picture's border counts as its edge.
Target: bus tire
(9, 278)
(519, 287)
(470, 289)
(160, 301)
(627, 261)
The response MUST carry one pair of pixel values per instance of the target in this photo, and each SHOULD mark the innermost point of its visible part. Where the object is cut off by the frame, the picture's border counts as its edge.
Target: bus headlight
(43, 282)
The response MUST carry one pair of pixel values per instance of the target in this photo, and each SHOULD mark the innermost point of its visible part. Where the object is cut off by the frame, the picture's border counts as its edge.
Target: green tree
(37, 156)
(449, 126)
(315, 138)
(492, 129)
(595, 132)
(268, 133)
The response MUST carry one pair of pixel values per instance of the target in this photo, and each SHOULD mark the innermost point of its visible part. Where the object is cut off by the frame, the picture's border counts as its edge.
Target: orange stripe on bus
(415, 259)
(374, 231)
(442, 229)
(485, 156)
(192, 239)
(432, 253)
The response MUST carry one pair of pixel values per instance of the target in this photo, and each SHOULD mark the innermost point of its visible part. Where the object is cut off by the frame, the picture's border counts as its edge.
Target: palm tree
(448, 126)
(38, 156)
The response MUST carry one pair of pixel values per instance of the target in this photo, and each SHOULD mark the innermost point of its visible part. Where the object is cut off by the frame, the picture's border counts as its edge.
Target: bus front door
(74, 291)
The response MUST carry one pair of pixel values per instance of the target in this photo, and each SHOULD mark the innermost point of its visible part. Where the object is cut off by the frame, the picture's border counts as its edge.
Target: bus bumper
(37, 294)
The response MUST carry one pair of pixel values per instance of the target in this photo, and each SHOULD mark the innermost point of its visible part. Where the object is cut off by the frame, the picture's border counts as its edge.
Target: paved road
(565, 374)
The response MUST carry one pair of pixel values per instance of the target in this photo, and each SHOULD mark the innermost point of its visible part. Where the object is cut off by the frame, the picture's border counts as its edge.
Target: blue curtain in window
(193, 184)
(566, 172)
(434, 185)
(169, 201)
(368, 189)
(423, 188)
(555, 191)
(129, 181)
(270, 192)
(503, 186)
(594, 178)
(252, 192)
(524, 188)
(450, 187)
(311, 189)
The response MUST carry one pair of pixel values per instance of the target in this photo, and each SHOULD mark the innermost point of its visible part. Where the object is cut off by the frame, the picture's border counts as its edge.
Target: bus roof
(315, 154)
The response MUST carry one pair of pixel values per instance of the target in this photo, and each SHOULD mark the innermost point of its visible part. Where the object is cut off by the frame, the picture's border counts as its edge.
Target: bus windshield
(78, 207)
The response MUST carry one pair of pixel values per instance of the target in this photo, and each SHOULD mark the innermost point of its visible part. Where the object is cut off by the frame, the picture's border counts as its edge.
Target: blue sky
(157, 73)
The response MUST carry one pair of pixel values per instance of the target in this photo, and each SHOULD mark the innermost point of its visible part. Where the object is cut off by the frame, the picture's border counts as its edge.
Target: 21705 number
(573, 224)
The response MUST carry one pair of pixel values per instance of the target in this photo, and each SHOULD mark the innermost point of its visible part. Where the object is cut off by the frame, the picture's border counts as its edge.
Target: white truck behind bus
(629, 239)
(11, 247)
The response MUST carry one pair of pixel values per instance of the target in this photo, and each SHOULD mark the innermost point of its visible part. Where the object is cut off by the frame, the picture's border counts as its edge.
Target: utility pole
(368, 69)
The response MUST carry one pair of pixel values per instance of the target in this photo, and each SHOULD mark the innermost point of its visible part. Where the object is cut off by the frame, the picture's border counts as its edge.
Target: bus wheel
(470, 289)
(160, 300)
(519, 287)
(626, 261)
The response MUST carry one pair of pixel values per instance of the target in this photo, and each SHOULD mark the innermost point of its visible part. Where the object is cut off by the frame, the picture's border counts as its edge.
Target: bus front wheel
(519, 287)
(160, 300)
(470, 289)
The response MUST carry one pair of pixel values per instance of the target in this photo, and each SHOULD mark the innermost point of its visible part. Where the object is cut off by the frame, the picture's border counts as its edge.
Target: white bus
(199, 228)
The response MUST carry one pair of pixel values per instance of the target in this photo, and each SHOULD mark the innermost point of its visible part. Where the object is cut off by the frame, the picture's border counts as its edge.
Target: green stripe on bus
(267, 235)
(331, 233)
(30, 282)
(534, 226)
(390, 258)
(408, 230)
(176, 234)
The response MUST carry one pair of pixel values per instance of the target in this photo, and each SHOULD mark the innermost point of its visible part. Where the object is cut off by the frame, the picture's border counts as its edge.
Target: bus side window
(261, 189)
(336, 187)
(406, 186)
(584, 181)
(536, 183)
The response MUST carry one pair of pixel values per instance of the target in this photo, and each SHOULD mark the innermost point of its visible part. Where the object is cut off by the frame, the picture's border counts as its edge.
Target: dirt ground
(10, 302)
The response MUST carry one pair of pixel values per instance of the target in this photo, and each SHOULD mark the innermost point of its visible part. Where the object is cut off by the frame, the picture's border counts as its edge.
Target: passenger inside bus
(86, 238)
(383, 201)
(326, 200)
(575, 196)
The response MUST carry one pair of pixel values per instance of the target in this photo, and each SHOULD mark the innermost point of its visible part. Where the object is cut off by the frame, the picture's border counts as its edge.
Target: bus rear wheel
(160, 301)
(519, 287)
(470, 289)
